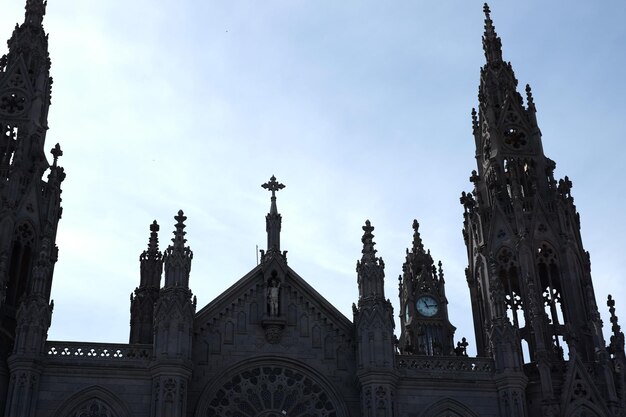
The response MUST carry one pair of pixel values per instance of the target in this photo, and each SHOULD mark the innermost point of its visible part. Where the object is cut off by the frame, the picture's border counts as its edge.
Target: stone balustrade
(97, 351)
(452, 364)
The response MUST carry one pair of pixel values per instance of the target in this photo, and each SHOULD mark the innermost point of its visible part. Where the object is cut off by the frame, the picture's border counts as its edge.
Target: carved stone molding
(274, 328)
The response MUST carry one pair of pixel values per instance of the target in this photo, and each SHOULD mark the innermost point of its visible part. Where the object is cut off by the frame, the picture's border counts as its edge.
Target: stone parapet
(451, 364)
(81, 351)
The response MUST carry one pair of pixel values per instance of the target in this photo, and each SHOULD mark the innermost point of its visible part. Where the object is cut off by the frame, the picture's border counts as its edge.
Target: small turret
(425, 326)
(373, 319)
(174, 313)
(142, 302)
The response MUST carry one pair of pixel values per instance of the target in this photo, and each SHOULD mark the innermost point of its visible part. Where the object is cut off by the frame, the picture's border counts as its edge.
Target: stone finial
(491, 42)
(440, 272)
(273, 219)
(370, 269)
(152, 253)
(418, 245)
(529, 98)
(179, 234)
(35, 11)
(617, 339)
(368, 251)
(474, 121)
(151, 260)
(273, 186)
(178, 256)
(56, 154)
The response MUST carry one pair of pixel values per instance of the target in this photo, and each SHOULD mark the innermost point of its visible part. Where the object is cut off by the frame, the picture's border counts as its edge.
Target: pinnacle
(35, 11)
(529, 97)
(152, 253)
(179, 234)
(491, 42)
(368, 242)
(153, 244)
(56, 153)
(487, 11)
(418, 245)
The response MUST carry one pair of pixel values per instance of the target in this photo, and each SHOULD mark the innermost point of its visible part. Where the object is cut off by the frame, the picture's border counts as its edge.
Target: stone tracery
(270, 391)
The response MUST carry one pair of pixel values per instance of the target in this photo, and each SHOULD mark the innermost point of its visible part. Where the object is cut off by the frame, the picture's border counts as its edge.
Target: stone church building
(270, 345)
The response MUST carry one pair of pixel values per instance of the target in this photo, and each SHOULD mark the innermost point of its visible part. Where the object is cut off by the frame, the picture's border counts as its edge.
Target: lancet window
(20, 262)
(507, 271)
(550, 279)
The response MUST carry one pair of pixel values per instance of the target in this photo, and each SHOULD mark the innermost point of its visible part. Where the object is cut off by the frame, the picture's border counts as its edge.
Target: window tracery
(271, 391)
(93, 408)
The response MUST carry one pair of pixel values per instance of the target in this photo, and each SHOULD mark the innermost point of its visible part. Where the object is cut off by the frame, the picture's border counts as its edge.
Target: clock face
(427, 306)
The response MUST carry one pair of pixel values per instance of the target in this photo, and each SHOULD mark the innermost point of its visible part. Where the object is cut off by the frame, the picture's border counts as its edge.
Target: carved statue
(272, 296)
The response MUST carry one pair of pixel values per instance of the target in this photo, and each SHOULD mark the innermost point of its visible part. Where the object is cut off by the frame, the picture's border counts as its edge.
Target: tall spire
(273, 219)
(178, 256)
(491, 42)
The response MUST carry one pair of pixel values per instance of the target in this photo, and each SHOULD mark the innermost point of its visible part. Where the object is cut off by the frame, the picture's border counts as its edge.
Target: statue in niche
(272, 296)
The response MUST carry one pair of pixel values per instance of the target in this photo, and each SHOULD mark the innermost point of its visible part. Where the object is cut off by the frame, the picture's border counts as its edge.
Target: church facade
(271, 345)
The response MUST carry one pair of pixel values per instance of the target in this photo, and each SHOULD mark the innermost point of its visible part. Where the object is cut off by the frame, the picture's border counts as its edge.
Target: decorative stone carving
(271, 391)
(274, 328)
(93, 408)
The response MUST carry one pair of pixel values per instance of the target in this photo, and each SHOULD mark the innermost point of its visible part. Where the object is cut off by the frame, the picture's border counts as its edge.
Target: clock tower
(426, 329)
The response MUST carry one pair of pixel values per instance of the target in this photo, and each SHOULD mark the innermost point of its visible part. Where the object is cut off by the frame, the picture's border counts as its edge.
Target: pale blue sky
(361, 108)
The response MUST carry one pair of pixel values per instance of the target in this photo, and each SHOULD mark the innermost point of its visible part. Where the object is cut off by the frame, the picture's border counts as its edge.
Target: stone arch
(92, 398)
(583, 409)
(448, 407)
(267, 386)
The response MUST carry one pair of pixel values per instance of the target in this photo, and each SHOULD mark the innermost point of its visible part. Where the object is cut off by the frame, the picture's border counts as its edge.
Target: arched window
(20, 262)
(507, 271)
(94, 401)
(551, 291)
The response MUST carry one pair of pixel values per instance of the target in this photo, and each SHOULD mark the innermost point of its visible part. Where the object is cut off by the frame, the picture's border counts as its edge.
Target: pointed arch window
(507, 271)
(93, 408)
(20, 262)
(551, 291)
(550, 279)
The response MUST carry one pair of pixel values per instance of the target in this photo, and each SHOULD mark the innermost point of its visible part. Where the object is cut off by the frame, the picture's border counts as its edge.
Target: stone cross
(273, 186)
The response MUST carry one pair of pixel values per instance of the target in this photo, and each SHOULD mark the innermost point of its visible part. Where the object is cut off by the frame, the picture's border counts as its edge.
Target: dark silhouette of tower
(29, 206)
(529, 274)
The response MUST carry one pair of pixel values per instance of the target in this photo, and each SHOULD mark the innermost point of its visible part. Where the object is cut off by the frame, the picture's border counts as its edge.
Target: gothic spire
(151, 260)
(491, 42)
(418, 246)
(178, 257)
(35, 11)
(370, 269)
(368, 251)
(273, 219)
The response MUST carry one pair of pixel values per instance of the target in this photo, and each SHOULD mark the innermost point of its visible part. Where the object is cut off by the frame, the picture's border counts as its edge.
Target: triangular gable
(579, 390)
(249, 295)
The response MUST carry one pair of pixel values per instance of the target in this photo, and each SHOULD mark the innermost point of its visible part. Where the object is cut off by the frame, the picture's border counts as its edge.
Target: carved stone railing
(77, 351)
(451, 364)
